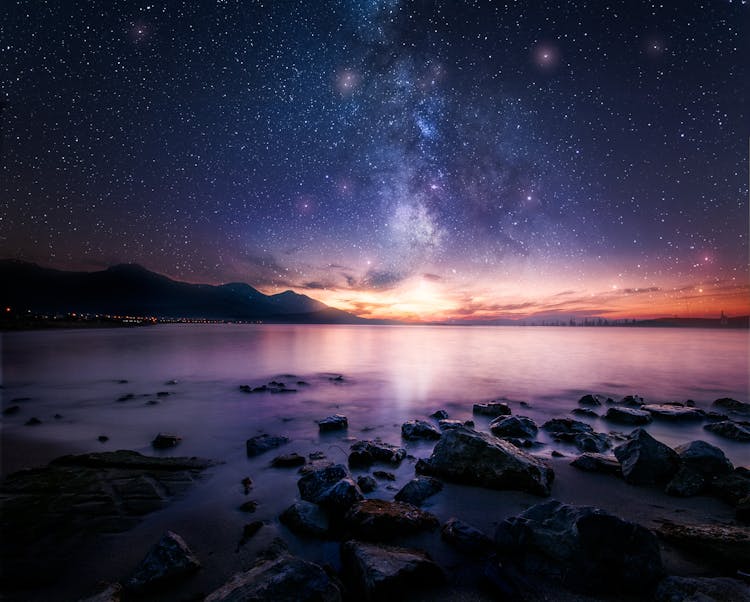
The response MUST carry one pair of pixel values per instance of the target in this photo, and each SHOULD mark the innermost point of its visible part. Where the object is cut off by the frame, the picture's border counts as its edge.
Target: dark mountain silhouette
(129, 289)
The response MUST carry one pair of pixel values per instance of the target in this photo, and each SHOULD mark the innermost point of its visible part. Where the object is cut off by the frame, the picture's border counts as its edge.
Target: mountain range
(130, 289)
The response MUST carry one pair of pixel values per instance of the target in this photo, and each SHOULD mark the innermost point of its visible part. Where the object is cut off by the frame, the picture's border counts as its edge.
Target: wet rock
(586, 548)
(585, 412)
(11, 410)
(732, 405)
(284, 578)
(380, 520)
(249, 531)
(466, 456)
(247, 484)
(734, 489)
(704, 458)
(365, 453)
(126, 397)
(337, 422)
(701, 589)
(169, 560)
(112, 592)
(306, 518)
(632, 400)
(466, 538)
(451, 424)
(367, 484)
(646, 461)
(514, 426)
(249, 506)
(673, 412)
(592, 442)
(342, 496)
(288, 460)
(165, 441)
(170, 382)
(263, 443)
(686, 483)
(331, 487)
(379, 572)
(492, 408)
(384, 475)
(591, 462)
(418, 490)
(33, 421)
(729, 430)
(723, 546)
(590, 400)
(627, 416)
(560, 427)
(413, 430)
(102, 438)
(163, 393)
(439, 415)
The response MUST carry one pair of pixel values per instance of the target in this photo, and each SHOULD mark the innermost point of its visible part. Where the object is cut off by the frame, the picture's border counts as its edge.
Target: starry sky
(424, 160)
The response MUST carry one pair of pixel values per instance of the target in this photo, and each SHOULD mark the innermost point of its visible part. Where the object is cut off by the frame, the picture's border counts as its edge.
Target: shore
(209, 509)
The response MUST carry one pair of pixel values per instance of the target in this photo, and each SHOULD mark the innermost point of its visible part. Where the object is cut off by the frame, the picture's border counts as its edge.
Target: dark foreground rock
(701, 589)
(112, 592)
(306, 518)
(413, 430)
(646, 461)
(729, 430)
(704, 458)
(514, 426)
(378, 520)
(262, 443)
(466, 456)
(170, 560)
(466, 538)
(584, 547)
(282, 579)
(418, 490)
(366, 453)
(379, 572)
(331, 487)
(592, 462)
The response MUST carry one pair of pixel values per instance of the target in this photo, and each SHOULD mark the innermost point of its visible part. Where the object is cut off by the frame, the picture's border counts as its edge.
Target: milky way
(427, 160)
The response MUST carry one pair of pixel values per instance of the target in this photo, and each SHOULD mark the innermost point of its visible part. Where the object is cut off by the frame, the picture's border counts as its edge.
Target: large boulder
(729, 430)
(466, 538)
(282, 579)
(514, 426)
(701, 589)
(366, 453)
(306, 518)
(466, 456)
(381, 520)
(418, 490)
(263, 443)
(704, 458)
(379, 572)
(627, 415)
(585, 547)
(646, 461)
(169, 560)
(413, 430)
(686, 483)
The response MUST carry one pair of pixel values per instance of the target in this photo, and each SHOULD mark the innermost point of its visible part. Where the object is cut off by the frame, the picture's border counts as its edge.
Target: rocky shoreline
(388, 541)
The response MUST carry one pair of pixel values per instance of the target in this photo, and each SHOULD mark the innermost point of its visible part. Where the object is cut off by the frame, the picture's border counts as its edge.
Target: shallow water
(390, 374)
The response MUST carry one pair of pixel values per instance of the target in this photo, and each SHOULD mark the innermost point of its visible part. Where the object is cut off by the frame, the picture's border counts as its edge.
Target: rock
(492, 408)
(586, 412)
(514, 426)
(646, 461)
(288, 460)
(590, 400)
(337, 422)
(112, 592)
(418, 490)
(627, 416)
(701, 589)
(126, 397)
(165, 441)
(412, 430)
(466, 456)
(439, 415)
(247, 484)
(263, 443)
(11, 410)
(249, 530)
(732, 405)
(451, 424)
(249, 506)
(686, 483)
(729, 430)
(732, 487)
(672, 412)
(559, 427)
(466, 538)
(591, 462)
(592, 442)
(384, 475)
(366, 453)
(367, 484)
(102, 438)
(306, 518)
(379, 572)
(556, 454)
(331, 487)
(632, 400)
(163, 393)
(723, 546)
(704, 458)
(379, 520)
(33, 421)
(586, 548)
(169, 560)
(282, 579)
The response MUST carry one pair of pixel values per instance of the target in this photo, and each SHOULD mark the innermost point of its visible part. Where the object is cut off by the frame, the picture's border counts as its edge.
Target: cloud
(380, 279)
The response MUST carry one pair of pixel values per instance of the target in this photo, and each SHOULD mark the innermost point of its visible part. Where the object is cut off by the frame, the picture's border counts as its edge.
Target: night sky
(423, 160)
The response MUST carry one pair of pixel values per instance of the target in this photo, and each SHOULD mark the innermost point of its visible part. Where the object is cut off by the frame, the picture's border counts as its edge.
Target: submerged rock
(627, 416)
(590, 400)
(585, 547)
(306, 518)
(646, 461)
(592, 462)
(418, 490)
(380, 572)
(701, 589)
(292, 460)
(492, 408)
(379, 520)
(729, 430)
(366, 453)
(514, 426)
(419, 429)
(263, 443)
(466, 456)
(11, 410)
(466, 538)
(169, 560)
(336, 422)
(282, 579)
(165, 441)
